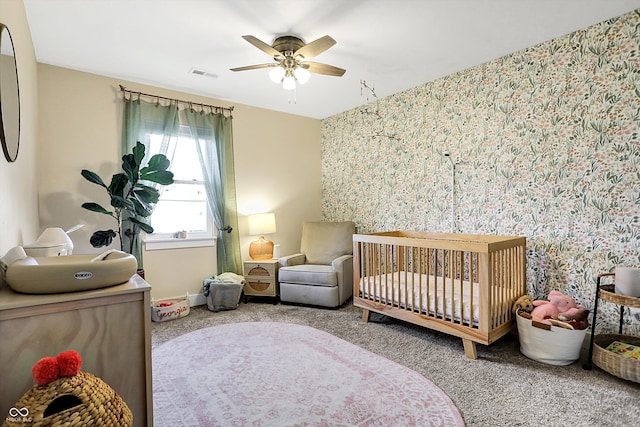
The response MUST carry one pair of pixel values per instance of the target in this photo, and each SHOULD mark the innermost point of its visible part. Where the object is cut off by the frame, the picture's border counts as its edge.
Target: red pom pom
(69, 363)
(45, 370)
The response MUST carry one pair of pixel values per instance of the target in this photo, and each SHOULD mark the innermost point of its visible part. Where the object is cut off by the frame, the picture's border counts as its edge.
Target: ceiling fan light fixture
(302, 75)
(276, 74)
(290, 54)
(289, 82)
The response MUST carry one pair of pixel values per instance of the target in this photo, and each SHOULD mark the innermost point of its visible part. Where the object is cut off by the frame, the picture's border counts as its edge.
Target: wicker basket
(622, 367)
(78, 401)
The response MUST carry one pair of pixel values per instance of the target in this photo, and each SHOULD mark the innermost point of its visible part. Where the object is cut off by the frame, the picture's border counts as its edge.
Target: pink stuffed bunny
(558, 303)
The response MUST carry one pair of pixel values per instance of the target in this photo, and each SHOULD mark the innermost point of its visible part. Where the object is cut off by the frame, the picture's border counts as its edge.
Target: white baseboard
(194, 299)
(197, 299)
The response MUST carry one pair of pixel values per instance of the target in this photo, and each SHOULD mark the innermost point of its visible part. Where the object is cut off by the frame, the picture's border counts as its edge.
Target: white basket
(558, 346)
(179, 308)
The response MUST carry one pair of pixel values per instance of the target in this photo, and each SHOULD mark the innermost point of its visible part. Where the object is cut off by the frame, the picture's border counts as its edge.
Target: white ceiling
(393, 45)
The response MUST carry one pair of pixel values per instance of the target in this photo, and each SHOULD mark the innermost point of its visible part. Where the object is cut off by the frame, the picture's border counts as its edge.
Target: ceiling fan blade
(254, 67)
(315, 48)
(318, 68)
(262, 46)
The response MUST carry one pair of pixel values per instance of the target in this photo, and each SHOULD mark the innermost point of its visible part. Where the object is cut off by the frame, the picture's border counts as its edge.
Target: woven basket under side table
(622, 367)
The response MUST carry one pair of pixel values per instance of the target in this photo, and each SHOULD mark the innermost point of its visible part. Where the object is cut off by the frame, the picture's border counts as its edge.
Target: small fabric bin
(164, 310)
(222, 294)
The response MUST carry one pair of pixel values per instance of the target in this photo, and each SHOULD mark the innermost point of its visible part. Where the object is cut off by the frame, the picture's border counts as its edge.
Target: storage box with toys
(170, 309)
(551, 331)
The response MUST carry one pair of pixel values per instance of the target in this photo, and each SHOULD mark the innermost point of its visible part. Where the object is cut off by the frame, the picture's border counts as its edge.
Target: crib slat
(460, 278)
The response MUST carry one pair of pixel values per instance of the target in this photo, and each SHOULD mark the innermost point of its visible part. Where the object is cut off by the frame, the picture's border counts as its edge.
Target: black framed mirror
(9, 97)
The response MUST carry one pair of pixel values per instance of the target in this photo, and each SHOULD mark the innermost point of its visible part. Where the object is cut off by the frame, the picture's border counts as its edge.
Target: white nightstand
(261, 278)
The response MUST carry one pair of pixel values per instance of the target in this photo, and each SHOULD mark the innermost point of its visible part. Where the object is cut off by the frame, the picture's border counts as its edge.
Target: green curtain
(140, 119)
(214, 134)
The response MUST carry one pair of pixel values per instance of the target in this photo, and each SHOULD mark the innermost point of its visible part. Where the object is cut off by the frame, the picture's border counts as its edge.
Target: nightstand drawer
(260, 269)
(259, 286)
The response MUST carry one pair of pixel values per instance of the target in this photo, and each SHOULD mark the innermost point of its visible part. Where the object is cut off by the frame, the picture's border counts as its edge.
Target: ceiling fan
(291, 56)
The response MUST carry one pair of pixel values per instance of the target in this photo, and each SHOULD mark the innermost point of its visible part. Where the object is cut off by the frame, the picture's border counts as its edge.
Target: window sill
(191, 242)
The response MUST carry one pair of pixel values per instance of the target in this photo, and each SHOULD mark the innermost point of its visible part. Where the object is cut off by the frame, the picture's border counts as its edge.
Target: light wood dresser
(110, 328)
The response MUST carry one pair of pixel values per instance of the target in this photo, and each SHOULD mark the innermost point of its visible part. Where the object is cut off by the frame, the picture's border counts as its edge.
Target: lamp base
(261, 249)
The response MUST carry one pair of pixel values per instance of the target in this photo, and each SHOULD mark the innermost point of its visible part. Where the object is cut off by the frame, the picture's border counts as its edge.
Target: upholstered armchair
(322, 273)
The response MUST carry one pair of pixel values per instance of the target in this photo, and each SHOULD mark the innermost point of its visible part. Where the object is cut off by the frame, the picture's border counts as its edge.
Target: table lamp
(261, 224)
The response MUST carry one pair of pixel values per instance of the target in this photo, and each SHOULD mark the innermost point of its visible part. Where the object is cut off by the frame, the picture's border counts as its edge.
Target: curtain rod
(214, 108)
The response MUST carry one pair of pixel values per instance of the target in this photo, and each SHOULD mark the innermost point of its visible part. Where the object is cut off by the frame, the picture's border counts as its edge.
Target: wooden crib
(460, 284)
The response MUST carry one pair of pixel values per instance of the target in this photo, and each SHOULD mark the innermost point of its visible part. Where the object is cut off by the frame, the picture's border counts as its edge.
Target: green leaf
(146, 194)
(92, 177)
(143, 225)
(160, 177)
(142, 209)
(102, 238)
(130, 167)
(91, 206)
(138, 153)
(118, 185)
(121, 202)
(159, 162)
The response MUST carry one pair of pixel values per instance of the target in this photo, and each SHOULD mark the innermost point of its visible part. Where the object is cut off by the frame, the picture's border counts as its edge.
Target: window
(182, 205)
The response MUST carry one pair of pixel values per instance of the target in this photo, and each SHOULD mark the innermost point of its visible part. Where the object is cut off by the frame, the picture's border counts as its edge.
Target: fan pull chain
(295, 95)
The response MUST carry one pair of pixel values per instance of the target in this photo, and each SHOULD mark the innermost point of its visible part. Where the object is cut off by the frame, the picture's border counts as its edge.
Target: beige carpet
(501, 388)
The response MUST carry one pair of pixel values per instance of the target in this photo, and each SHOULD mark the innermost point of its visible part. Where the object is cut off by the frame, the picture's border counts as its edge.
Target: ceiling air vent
(202, 73)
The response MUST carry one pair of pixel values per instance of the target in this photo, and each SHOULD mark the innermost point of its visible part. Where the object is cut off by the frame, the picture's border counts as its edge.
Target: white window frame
(159, 241)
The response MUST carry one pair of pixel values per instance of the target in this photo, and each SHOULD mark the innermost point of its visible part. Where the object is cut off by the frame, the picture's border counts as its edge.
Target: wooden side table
(261, 278)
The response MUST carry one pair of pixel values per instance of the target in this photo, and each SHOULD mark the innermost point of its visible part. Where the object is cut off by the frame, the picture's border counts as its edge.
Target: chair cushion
(308, 274)
(322, 242)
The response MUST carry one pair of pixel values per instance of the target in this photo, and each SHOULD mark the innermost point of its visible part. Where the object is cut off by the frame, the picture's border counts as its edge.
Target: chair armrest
(338, 263)
(295, 259)
(344, 268)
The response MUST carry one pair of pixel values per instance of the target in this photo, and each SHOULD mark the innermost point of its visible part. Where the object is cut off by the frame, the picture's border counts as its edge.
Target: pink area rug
(282, 374)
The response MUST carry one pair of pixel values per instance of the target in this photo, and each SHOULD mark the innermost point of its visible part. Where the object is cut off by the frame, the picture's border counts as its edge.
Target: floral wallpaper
(545, 143)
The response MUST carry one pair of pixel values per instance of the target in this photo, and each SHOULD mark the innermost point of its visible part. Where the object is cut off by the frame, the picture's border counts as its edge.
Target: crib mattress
(437, 296)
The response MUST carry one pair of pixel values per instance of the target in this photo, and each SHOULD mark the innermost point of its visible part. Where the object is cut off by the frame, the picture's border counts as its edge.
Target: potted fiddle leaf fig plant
(132, 198)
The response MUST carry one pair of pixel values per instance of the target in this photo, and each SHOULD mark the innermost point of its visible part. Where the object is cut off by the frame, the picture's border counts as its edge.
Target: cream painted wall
(277, 158)
(18, 193)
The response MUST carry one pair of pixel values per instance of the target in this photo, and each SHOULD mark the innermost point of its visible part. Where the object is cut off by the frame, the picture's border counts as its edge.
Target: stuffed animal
(557, 303)
(577, 320)
(524, 304)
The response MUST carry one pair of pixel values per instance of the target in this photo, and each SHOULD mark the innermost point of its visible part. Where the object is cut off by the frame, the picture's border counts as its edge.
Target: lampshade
(302, 75)
(264, 223)
(288, 74)
(289, 83)
(261, 224)
(276, 74)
